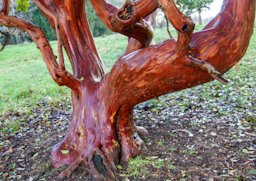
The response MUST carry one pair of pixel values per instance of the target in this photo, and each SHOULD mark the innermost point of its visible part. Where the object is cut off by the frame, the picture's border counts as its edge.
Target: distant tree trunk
(102, 132)
(200, 21)
(168, 27)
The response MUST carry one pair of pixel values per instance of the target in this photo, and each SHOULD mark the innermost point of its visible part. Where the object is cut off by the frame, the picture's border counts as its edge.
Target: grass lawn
(24, 78)
(202, 127)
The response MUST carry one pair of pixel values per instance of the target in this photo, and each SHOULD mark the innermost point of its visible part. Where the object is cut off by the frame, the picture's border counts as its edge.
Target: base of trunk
(99, 140)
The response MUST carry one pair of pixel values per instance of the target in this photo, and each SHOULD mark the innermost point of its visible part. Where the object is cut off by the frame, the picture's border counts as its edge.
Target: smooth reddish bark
(102, 132)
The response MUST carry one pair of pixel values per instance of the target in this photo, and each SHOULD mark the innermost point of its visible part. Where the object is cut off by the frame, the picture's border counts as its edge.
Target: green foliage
(137, 165)
(11, 126)
(189, 151)
(39, 20)
(172, 149)
(22, 5)
(172, 167)
(160, 143)
(140, 166)
(96, 25)
(252, 172)
(190, 6)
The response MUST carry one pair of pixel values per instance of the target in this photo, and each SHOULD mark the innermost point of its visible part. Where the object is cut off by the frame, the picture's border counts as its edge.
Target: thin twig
(6, 39)
(57, 29)
(167, 27)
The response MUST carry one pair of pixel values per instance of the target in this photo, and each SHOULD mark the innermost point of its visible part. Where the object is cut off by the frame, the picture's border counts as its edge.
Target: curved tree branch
(131, 13)
(76, 36)
(61, 77)
(134, 44)
(185, 27)
(59, 39)
(181, 23)
(155, 70)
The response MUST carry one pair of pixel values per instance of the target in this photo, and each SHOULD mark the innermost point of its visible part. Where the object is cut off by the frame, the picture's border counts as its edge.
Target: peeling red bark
(102, 132)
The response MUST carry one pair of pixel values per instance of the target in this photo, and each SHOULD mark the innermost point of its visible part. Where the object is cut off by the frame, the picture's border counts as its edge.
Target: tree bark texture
(102, 132)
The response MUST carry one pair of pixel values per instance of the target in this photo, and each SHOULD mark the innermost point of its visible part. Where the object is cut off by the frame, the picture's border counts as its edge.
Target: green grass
(189, 151)
(24, 78)
(139, 166)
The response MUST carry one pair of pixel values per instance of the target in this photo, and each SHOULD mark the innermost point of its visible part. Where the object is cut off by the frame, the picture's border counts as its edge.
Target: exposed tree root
(71, 168)
(100, 162)
(141, 130)
(100, 154)
(98, 165)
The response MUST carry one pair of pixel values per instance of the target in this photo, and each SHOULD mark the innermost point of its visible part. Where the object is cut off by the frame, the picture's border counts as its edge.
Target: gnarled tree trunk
(102, 132)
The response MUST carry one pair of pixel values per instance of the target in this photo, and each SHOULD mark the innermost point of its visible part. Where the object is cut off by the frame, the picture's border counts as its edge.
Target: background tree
(102, 132)
(39, 20)
(191, 6)
(117, 3)
(28, 10)
(97, 27)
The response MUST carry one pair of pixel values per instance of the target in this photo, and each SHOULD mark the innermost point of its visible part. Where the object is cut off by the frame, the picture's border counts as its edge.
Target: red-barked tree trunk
(102, 132)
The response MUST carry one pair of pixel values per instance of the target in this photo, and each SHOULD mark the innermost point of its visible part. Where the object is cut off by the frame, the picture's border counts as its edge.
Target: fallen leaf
(65, 152)
(252, 172)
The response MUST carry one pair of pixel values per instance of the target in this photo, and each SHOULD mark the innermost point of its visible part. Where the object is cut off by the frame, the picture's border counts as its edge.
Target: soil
(188, 143)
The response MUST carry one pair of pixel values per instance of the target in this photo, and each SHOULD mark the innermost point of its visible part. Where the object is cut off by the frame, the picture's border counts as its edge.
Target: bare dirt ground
(189, 143)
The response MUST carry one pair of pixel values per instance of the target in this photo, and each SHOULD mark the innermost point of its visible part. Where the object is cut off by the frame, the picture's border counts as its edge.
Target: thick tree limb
(134, 44)
(185, 27)
(131, 13)
(155, 70)
(181, 23)
(76, 36)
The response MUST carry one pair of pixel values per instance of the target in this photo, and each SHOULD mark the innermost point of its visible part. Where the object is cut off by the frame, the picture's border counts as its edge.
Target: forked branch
(157, 70)
(68, 18)
(57, 30)
(128, 20)
(183, 24)
(185, 27)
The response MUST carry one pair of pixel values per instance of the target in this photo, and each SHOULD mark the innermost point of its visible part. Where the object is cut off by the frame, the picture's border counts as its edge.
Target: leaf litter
(204, 133)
